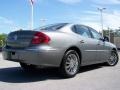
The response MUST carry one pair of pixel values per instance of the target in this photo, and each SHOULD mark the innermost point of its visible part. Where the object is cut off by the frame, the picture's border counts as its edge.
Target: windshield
(52, 27)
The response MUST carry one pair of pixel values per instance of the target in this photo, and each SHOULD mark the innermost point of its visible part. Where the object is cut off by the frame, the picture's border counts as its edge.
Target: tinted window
(82, 30)
(95, 34)
(52, 27)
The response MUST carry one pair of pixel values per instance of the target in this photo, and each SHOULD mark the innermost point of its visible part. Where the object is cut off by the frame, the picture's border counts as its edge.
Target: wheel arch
(77, 50)
(114, 49)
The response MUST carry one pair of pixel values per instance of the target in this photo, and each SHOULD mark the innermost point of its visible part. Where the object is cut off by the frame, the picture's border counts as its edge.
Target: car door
(87, 45)
(101, 51)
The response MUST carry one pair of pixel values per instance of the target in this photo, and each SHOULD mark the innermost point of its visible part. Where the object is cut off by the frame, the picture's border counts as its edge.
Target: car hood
(110, 44)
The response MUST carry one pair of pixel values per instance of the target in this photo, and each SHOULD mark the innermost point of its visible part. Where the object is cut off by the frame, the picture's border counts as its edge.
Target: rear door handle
(82, 41)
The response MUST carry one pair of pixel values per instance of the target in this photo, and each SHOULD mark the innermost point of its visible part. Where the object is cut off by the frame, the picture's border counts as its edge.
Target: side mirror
(106, 38)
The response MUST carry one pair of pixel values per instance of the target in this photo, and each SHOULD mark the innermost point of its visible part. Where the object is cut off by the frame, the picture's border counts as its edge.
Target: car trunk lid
(20, 38)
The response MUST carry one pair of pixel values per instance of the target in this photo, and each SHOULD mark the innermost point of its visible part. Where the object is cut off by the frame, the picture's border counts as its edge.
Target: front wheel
(70, 64)
(113, 60)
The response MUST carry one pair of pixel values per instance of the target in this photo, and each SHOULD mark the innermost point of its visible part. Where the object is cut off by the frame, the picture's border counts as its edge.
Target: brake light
(40, 38)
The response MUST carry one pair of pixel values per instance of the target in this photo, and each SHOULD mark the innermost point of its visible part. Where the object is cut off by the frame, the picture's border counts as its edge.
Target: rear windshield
(52, 27)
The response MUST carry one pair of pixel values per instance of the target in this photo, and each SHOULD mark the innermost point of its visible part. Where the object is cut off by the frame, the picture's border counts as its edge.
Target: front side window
(95, 34)
(82, 30)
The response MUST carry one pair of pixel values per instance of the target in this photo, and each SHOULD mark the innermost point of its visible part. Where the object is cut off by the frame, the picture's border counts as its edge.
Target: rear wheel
(27, 67)
(113, 60)
(70, 64)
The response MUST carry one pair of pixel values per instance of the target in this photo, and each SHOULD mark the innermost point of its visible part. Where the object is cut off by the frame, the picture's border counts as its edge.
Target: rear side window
(82, 30)
(52, 27)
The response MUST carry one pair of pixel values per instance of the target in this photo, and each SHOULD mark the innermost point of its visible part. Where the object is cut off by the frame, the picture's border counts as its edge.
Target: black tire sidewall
(62, 68)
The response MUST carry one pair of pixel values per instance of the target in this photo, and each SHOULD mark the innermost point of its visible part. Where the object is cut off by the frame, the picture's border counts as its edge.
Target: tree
(2, 39)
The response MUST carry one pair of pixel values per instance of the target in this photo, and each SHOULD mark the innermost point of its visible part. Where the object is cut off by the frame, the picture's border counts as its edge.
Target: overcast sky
(15, 14)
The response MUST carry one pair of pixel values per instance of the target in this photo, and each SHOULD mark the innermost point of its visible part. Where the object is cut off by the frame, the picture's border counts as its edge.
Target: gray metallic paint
(92, 50)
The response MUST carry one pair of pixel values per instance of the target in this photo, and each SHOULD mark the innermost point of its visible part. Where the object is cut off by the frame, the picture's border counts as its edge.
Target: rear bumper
(36, 56)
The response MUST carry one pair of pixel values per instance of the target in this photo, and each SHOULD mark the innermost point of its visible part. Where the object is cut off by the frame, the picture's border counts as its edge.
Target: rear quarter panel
(61, 41)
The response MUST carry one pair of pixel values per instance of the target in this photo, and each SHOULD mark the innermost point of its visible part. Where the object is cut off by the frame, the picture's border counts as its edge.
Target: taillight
(40, 38)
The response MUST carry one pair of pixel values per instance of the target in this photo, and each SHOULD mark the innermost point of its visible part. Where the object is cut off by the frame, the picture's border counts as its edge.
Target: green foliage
(2, 39)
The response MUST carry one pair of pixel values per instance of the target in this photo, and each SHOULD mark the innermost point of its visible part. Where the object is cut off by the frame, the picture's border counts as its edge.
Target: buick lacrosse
(64, 45)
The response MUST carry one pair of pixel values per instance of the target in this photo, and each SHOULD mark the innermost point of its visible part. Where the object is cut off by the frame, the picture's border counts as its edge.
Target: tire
(70, 64)
(27, 67)
(113, 59)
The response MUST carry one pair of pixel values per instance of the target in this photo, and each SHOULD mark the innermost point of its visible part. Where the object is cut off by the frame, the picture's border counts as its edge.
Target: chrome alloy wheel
(71, 65)
(113, 59)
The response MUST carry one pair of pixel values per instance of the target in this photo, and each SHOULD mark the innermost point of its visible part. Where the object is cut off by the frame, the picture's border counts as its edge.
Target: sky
(16, 14)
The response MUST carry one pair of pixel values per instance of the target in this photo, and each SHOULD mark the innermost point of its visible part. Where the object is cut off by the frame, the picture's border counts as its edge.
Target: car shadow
(17, 75)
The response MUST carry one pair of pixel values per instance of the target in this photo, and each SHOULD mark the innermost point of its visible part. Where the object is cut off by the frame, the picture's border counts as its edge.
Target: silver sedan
(64, 45)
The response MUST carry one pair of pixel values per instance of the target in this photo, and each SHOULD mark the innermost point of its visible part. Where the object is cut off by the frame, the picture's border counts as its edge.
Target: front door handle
(82, 41)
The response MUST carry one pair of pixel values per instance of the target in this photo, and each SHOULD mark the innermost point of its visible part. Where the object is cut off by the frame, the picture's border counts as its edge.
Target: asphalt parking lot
(94, 77)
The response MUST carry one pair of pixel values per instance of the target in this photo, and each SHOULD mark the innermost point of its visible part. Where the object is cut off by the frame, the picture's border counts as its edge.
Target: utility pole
(101, 18)
(32, 14)
(32, 17)
(109, 34)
